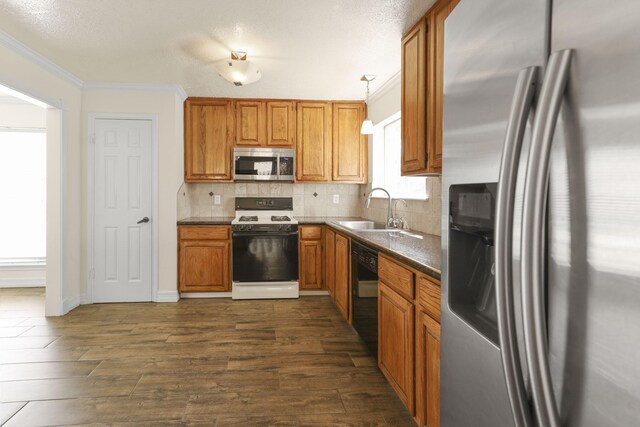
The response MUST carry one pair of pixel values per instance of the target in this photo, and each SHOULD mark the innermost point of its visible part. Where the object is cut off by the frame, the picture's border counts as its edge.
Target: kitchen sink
(363, 225)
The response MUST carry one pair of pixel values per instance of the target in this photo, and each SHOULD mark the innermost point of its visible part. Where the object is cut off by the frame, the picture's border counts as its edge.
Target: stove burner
(248, 219)
(280, 218)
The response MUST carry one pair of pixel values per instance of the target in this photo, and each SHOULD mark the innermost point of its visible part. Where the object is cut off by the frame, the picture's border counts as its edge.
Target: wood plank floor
(209, 362)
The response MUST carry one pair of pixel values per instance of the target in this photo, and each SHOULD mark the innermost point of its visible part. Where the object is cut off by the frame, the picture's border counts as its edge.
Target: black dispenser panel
(472, 256)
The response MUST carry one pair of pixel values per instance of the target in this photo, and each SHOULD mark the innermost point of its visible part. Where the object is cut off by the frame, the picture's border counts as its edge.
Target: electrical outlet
(336, 199)
(216, 199)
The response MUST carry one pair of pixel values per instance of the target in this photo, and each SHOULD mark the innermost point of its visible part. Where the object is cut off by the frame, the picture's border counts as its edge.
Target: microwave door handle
(521, 108)
(533, 237)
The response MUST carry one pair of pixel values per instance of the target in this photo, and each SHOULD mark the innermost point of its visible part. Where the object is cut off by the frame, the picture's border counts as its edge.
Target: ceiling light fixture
(367, 125)
(238, 70)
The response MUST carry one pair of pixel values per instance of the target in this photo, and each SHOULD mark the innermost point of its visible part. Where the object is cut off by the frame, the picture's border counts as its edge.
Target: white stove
(265, 249)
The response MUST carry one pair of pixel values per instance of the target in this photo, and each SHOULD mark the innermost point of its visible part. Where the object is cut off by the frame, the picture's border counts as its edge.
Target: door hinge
(92, 274)
(93, 138)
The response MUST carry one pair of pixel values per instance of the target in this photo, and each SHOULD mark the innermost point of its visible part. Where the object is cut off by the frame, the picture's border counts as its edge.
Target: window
(387, 163)
(23, 216)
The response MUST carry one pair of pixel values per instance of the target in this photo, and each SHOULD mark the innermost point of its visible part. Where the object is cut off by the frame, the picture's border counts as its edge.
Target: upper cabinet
(422, 92)
(313, 145)
(262, 123)
(326, 137)
(350, 153)
(414, 100)
(208, 139)
(251, 123)
(281, 123)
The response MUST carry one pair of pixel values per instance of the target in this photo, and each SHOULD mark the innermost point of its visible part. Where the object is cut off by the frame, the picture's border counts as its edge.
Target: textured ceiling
(313, 49)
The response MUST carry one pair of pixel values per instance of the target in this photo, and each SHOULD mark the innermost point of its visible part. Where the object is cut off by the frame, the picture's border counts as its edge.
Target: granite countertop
(422, 253)
(207, 220)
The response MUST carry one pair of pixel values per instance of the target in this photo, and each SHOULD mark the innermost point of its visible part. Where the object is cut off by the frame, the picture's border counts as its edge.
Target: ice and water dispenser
(471, 256)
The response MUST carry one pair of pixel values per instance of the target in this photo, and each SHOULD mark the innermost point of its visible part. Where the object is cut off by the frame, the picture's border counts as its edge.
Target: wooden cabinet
(396, 342)
(428, 353)
(313, 142)
(250, 123)
(422, 92)
(208, 137)
(342, 290)
(350, 152)
(261, 123)
(204, 258)
(330, 261)
(310, 257)
(413, 105)
(281, 123)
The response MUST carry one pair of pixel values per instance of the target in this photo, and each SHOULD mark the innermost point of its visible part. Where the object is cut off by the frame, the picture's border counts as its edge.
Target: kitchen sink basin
(363, 225)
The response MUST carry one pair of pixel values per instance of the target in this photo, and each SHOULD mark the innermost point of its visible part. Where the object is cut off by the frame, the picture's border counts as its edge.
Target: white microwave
(263, 164)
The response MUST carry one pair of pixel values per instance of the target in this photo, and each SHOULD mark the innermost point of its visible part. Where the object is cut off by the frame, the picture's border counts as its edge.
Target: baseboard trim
(167, 296)
(70, 303)
(205, 295)
(313, 293)
(84, 299)
(23, 282)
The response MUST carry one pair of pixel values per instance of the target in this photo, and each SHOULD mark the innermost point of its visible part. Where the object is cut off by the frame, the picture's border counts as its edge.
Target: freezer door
(487, 44)
(594, 217)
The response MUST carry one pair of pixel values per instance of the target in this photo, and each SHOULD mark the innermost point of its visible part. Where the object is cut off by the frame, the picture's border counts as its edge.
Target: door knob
(144, 220)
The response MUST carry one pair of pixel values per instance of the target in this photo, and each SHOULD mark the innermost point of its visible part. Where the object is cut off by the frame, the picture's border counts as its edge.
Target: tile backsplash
(197, 200)
(420, 215)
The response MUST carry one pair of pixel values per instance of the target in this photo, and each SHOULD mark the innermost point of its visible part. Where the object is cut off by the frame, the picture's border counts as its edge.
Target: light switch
(216, 199)
(336, 199)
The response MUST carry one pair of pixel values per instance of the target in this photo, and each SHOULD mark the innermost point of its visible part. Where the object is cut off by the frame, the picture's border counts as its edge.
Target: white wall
(168, 107)
(41, 80)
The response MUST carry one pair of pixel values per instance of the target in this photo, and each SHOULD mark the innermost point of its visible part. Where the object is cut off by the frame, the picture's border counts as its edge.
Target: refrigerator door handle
(521, 108)
(533, 237)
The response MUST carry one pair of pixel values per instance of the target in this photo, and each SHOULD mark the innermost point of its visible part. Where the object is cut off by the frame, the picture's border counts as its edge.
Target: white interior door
(122, 211)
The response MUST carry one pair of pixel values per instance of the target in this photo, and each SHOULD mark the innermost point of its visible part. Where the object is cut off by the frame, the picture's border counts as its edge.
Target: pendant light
(367, 125)
(238, 70)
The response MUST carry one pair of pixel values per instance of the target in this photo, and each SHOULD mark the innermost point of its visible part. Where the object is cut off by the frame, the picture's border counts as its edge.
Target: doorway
(23, 218)
(123, 208)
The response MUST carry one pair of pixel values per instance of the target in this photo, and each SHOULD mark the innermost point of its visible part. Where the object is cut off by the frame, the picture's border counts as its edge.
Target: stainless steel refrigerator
(541, 214)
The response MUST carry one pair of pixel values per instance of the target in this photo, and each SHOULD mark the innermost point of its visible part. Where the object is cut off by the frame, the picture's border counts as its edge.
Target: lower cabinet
(342, 289)
(310, 257)
(427, 370)
(204, 258)
(396, 327)
(330, 261)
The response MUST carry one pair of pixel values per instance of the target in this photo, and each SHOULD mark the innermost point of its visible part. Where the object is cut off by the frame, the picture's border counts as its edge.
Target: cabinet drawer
(311, 232)
(429, 297)
(205, 232)
(396, 277)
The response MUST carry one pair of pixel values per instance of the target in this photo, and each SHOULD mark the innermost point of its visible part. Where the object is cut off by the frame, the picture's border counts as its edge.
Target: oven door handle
(264, 234)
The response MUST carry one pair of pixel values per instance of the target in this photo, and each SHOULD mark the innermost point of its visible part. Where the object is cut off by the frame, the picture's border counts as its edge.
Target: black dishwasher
(364, 278)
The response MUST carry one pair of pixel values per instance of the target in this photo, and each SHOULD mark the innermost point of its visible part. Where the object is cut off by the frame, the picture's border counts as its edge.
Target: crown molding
(38, 59)
(385, 87)
(139, 87)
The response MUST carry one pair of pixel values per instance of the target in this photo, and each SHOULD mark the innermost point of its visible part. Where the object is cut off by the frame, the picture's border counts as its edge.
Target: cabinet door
(330, 261)
(350, 153)
(414, 99)
(281, 123)
(204, 265)
(313, 142)
(250, 123)
(427, 371)
(208, 140)
(437, 19)
(342, 287)
(396, 342)
(310, 264)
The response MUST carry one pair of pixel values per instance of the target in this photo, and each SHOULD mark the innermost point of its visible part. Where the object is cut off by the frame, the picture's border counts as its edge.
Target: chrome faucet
(396, 221)
(367, 202)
